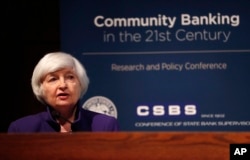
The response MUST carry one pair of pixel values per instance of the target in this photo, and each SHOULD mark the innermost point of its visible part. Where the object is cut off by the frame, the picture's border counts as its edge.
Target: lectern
(120, 145)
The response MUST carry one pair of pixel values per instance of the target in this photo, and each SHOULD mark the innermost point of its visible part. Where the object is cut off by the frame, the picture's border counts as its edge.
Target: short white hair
(55, 61)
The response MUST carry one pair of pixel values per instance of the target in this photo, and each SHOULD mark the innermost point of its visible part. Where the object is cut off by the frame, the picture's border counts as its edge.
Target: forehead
(61, 71)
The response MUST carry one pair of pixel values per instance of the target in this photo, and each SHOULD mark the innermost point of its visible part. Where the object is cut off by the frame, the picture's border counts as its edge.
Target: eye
(70, 77)
(52, 79)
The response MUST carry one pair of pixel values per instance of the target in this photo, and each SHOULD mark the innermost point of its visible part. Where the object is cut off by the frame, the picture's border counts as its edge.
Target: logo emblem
(100, 104)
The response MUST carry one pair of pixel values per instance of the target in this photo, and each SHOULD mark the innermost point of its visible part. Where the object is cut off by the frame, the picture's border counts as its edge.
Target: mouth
(62, 95)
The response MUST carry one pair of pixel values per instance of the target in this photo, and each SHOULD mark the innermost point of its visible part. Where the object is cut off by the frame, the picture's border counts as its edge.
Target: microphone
(57, 114)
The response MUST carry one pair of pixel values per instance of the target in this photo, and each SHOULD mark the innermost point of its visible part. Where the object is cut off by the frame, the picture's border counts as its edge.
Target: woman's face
(61, 89)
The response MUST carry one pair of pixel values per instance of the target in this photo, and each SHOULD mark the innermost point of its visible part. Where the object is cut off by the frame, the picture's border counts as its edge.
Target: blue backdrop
(179, 66)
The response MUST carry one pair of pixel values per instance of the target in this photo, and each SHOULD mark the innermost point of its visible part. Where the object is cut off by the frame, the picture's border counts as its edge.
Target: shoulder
(28, 123)
(100, 122)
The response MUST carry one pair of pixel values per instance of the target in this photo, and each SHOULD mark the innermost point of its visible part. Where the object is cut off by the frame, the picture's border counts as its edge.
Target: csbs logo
(170, 110)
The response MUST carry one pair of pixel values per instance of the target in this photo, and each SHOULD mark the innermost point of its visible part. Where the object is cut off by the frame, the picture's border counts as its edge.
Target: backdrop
(163, 65)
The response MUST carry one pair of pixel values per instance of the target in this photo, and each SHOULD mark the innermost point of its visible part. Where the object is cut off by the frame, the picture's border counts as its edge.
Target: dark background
(30, 29)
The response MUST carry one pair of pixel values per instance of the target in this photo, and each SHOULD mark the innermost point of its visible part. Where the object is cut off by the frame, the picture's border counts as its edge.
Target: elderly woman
(59, 81)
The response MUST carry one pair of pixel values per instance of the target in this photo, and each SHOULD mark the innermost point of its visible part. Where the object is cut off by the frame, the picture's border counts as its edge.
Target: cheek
(77, 88)
(47, 90)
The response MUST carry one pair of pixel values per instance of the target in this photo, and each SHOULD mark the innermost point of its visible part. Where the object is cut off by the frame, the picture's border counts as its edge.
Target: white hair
(55, 61)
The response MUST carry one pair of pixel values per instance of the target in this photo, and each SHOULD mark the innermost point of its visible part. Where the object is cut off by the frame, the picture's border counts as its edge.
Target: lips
(62, 95)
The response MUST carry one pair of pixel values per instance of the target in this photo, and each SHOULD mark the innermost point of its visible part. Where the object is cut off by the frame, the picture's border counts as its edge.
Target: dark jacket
(44, 122)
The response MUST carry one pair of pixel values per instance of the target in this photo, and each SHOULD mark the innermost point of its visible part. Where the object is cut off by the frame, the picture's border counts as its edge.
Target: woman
(59, 81)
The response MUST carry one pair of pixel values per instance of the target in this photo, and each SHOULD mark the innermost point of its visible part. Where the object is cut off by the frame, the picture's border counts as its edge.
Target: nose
(63, 83)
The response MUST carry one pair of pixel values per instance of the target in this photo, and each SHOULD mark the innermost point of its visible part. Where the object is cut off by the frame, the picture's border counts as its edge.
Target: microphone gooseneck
(57, 114)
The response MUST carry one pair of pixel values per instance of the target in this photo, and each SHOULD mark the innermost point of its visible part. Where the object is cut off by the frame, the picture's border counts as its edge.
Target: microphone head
(55, 114)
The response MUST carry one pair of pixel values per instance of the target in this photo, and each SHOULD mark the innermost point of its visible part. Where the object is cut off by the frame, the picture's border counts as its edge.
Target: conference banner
(163, 65)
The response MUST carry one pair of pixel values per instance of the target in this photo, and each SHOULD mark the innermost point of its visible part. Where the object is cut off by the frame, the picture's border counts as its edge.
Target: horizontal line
(165, 52)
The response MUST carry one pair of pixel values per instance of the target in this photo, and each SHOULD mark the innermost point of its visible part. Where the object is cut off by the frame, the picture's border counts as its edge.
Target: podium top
(121, 145)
